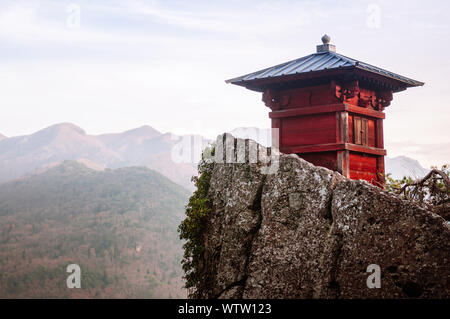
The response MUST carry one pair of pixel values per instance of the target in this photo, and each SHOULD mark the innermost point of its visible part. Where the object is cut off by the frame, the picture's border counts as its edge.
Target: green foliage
(36, 277)
(92, 278)
(393, 185)
(191, 229)
(72, 189)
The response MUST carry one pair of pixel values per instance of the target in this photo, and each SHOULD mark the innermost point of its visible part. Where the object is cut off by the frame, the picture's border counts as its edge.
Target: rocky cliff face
(302, 231)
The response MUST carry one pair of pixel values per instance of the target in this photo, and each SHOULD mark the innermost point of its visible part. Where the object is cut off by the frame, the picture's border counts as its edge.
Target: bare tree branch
(430, 175)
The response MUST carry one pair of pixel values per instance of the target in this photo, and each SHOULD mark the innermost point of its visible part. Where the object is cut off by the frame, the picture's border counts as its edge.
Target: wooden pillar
(341, 127)
(380, 159)
(342, 137)
(343, 163)
(276, 139)
(379, 129)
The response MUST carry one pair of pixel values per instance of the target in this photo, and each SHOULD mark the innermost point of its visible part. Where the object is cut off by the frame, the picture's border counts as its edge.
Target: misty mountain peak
(144, 131)
(2, 137)
(401, 166)
(63, 128)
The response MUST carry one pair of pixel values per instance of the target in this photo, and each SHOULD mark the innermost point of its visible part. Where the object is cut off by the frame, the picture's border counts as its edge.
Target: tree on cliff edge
(431, 192)
(192, 227)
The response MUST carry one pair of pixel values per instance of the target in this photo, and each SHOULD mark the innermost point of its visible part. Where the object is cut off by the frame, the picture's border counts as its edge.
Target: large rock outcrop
(301, 231)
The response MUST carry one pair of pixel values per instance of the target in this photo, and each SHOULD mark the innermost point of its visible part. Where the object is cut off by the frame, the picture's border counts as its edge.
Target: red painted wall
(308, 130)
(363, 166)
(306, 97)
(324, 159)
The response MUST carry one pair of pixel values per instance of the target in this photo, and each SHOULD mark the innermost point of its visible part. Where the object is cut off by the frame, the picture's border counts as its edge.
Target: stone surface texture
(303, 231)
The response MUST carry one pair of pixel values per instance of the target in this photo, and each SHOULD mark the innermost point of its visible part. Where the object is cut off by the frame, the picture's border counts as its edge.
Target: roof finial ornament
(326, 46)
(326, 39)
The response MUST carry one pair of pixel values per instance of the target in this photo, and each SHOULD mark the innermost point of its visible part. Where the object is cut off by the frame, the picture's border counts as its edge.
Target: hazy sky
(109, 66)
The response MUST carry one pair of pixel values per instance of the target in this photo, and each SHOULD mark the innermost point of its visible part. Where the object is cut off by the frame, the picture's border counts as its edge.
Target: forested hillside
(119, 226)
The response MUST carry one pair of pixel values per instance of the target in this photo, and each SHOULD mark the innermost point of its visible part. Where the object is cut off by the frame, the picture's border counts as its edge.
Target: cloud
(27, 25)
(265, 19)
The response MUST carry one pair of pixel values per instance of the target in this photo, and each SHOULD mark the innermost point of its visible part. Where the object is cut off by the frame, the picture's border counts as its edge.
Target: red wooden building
(329, 109)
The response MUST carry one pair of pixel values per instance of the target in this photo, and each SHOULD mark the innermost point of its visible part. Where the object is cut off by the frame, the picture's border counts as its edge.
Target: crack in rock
(307, 232)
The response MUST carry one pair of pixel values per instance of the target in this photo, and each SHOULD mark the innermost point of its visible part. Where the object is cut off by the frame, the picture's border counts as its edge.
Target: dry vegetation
(120, 226)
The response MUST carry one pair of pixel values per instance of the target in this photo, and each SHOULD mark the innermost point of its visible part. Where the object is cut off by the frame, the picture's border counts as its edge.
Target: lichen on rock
(303, 231)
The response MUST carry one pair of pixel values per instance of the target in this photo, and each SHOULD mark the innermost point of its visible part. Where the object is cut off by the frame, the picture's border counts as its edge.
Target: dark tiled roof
(319, 62)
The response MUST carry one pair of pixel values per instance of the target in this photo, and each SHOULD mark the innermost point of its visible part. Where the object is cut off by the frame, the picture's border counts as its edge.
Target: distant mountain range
(119, 226)
(143, 146)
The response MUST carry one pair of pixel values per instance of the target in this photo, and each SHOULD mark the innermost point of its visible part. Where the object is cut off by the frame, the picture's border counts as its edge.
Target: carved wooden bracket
(384, 99)
(346, 91)
(375, 100)
(270, 100)
(378, 100)
(274, 100)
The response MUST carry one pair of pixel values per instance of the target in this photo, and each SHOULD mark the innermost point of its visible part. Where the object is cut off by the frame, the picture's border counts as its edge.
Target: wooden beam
(364, 149)
(365, 111)
(332, 147)
(330, 108)
(313, 148)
